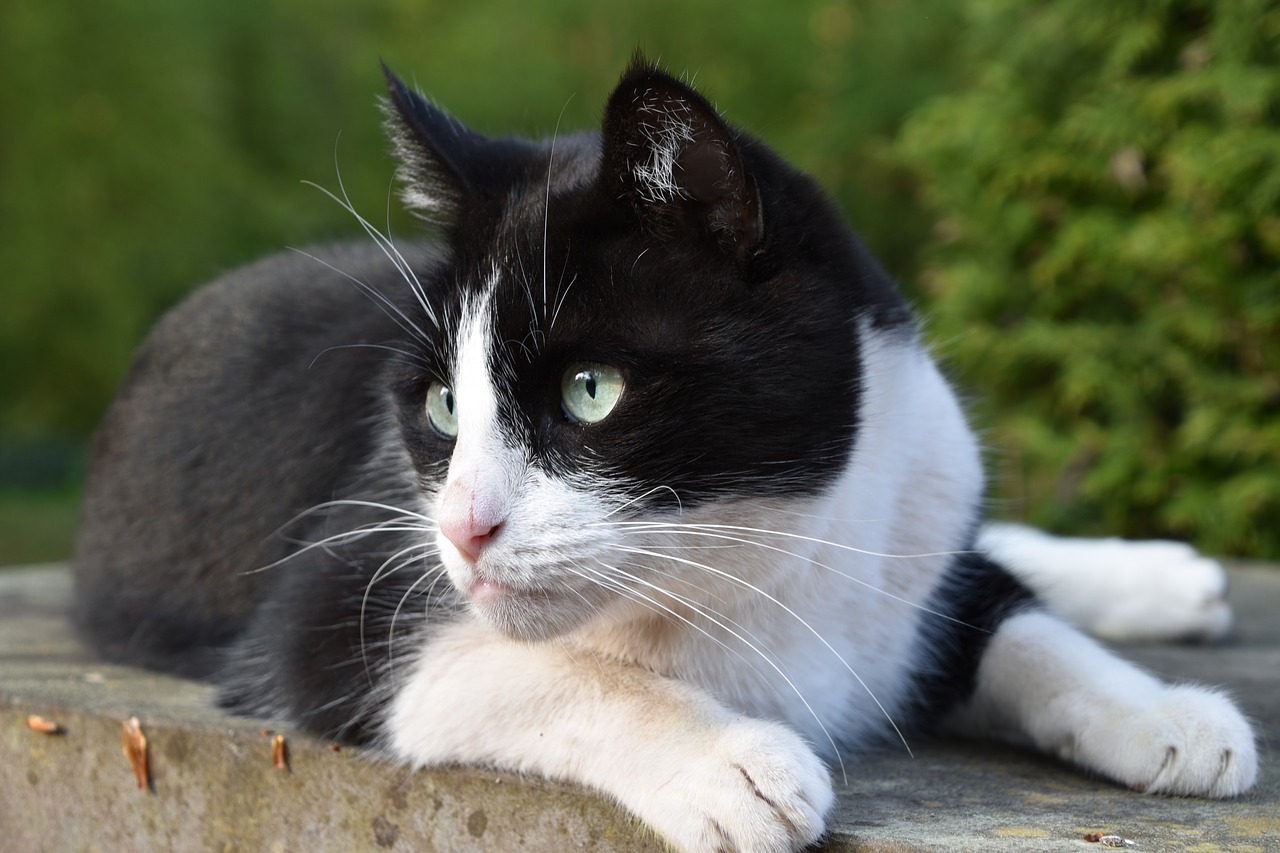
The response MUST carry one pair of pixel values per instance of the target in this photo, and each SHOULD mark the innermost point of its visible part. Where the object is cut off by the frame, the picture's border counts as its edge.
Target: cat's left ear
(669, 155)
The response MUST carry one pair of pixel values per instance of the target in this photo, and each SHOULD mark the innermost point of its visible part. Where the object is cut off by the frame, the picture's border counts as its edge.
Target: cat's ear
(438, 154)
(669, 154)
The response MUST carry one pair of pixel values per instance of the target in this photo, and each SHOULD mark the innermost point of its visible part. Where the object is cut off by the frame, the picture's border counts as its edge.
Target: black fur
(725, 296)
(974, 597)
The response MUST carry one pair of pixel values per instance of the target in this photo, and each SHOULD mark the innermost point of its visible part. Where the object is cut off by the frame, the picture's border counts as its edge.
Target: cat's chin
(526, 614)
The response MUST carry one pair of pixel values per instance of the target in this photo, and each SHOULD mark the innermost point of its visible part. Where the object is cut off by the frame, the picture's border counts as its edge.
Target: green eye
(441, 410)
(590, 391)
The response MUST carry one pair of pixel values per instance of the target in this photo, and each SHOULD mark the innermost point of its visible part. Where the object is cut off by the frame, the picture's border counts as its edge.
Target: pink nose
(469, 535)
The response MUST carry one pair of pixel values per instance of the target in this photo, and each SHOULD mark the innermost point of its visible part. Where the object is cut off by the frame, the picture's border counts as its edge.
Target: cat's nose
(469, 535)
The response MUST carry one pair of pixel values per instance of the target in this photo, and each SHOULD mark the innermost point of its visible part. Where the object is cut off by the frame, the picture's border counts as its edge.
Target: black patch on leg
(975, 596)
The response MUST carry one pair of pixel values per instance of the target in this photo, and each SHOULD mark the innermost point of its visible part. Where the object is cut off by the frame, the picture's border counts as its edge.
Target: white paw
(760, 788)
(1117, 588)
(1187, 741)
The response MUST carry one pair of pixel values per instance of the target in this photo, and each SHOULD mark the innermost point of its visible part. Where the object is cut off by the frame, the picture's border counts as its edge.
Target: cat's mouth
(485, 591)
(525, 612)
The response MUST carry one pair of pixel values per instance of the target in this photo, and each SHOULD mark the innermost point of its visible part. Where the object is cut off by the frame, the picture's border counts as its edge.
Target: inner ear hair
(671, 156)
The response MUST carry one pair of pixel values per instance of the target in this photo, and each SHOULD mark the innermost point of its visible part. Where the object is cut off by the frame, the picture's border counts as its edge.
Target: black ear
(438, 153)
(668, 154)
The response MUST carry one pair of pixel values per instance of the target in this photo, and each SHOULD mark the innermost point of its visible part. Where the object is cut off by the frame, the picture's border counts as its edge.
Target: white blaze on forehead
(486, 469)
(473, 391)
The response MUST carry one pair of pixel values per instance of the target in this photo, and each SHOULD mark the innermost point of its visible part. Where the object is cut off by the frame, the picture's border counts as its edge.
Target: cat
(637, 476)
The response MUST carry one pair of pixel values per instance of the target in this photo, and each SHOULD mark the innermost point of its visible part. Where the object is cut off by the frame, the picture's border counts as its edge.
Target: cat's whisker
(386, 305)
(724, 623)
(387, 246)
(427, 525)
(546, 203)
(790, 612)
(788, 535)
(632, 501)
(406, 557)
(698, 607)
(563, 294)
(410, 356)
(526, 288)
(435, 575)
(367, 504)
(709, 531)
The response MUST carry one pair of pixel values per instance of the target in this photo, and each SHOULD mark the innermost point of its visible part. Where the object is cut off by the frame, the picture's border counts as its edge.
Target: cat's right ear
(438, 154)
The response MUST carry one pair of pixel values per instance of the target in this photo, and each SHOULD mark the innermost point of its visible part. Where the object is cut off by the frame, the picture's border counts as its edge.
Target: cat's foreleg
(1043, 682)
(702, 776)
(1118, 589)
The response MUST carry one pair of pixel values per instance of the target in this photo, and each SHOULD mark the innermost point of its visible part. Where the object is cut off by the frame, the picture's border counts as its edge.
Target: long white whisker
(787, 535)
(435, 574)
(710, 532)
(384, 243)
(406, 557)
(634, 501)
(711, 616)
(388, 307)
(412, 356)
(400, 516)
(757, 590)
(546, 204)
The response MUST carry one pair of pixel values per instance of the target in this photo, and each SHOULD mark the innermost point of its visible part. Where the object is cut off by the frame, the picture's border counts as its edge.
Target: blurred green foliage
(144, 147)
(1106, 267)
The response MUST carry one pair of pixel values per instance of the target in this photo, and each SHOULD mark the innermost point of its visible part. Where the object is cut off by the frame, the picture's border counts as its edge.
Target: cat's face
(654, 327)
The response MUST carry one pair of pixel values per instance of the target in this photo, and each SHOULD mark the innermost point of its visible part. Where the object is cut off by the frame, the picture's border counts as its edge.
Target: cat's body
(642, 478)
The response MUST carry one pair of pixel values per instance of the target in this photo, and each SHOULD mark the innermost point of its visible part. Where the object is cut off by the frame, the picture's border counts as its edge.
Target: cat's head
(651, 326)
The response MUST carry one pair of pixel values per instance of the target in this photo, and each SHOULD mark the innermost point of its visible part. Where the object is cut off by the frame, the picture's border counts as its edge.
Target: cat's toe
(1190, 741)
(1171, 592)
(1214, 754)
(761, 789)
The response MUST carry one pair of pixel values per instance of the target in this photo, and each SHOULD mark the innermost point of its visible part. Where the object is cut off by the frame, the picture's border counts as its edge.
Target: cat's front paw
(1187, 741)
(760, 788)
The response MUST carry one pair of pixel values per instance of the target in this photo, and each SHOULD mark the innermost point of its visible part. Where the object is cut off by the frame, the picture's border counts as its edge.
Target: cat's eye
(589, 391)
(441, 410)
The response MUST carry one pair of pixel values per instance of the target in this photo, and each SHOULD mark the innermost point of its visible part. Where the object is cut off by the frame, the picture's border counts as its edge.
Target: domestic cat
(638, 476)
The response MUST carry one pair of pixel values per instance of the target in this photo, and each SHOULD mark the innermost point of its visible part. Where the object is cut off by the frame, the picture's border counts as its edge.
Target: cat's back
(247, 405)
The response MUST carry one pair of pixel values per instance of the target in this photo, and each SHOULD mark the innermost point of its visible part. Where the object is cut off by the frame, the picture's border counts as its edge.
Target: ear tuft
(670, 155)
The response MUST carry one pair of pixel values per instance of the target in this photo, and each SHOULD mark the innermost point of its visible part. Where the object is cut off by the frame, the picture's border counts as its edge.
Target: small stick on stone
(39, 724)
(134, 744)
(279, 756)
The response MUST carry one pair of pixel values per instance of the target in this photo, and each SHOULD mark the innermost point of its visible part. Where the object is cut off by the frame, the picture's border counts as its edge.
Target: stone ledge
(214, 786)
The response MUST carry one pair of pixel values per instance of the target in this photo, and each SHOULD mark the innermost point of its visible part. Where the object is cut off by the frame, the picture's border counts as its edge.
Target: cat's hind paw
(760, 790)
(1118, 589)
(1188, 741)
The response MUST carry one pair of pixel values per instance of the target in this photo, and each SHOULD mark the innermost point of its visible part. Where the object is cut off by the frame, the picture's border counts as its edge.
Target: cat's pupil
(591, 386)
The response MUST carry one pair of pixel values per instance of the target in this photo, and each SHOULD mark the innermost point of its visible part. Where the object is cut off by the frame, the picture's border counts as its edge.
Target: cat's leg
(704, 777)
(1115, 588)
(1041, 681)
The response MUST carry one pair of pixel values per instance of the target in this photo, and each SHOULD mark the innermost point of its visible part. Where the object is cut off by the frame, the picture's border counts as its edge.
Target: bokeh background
(1082, 196)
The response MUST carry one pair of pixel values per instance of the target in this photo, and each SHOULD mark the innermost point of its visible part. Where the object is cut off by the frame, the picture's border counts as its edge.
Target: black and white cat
(639, 477)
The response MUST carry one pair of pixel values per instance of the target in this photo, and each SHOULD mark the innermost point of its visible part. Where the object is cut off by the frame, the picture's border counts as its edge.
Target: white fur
(694, 668)
(1118, 589)
(669, 133)
(706, 778)
(1044, 683)
(783, 618)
